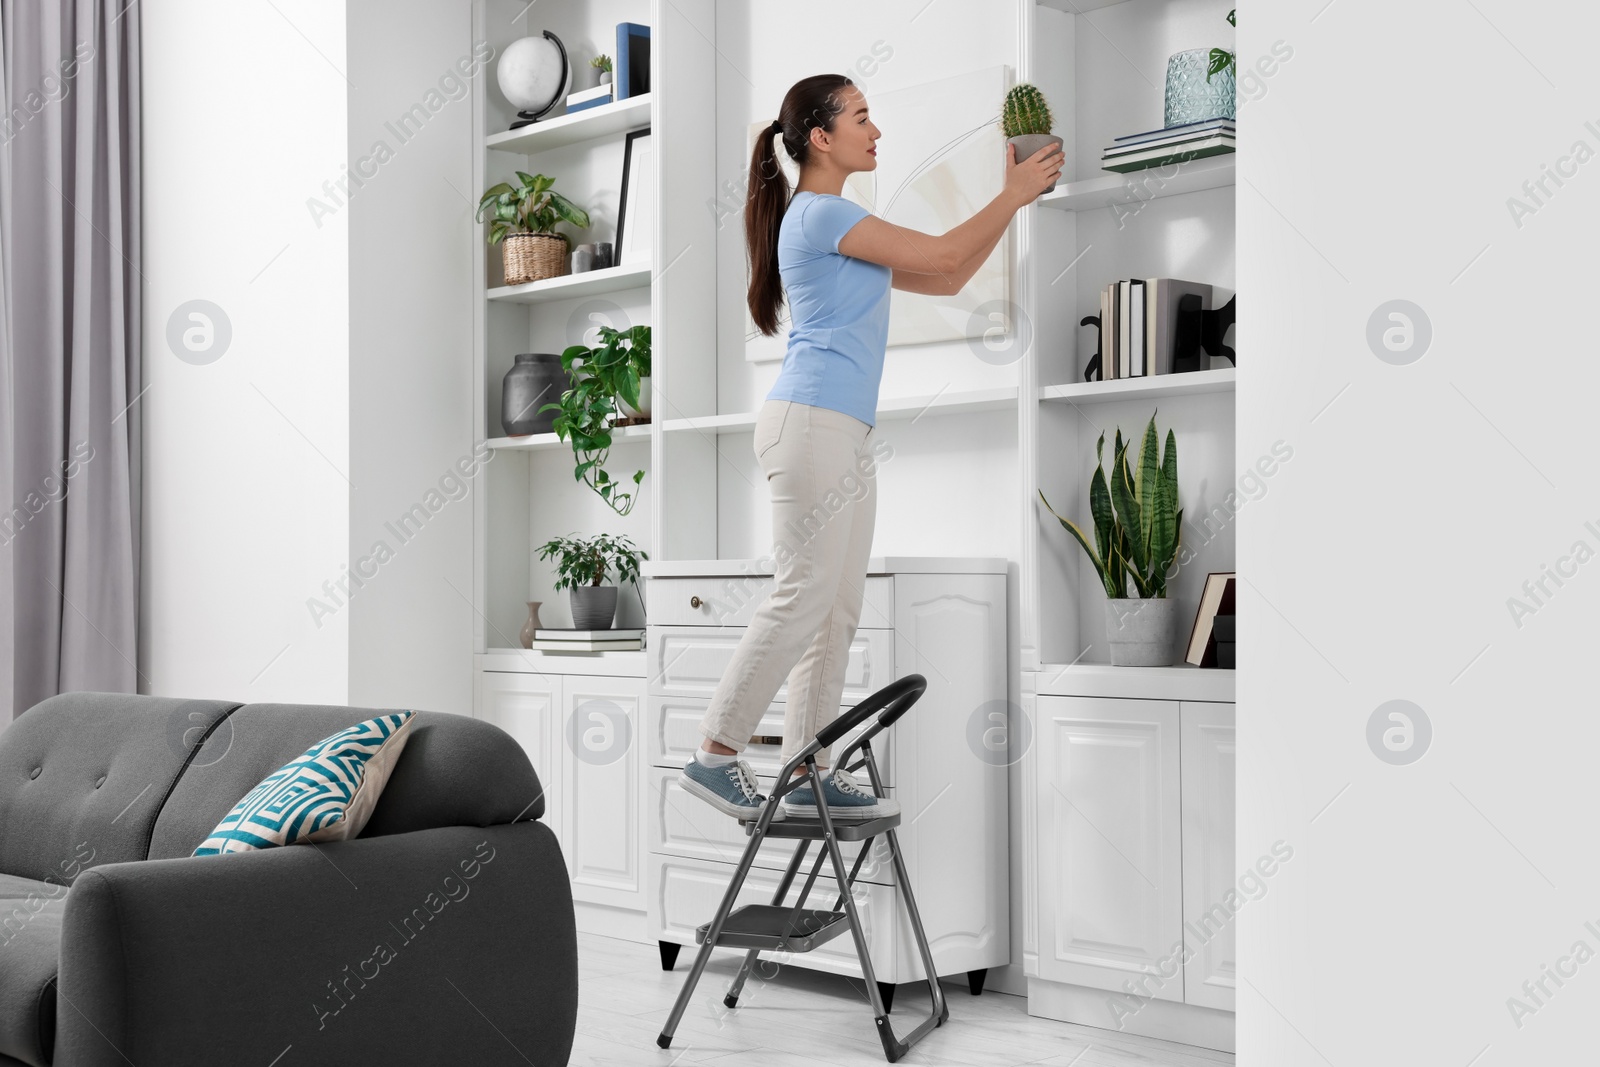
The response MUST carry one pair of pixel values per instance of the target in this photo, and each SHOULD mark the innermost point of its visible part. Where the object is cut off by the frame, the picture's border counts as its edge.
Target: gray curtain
(70, 293)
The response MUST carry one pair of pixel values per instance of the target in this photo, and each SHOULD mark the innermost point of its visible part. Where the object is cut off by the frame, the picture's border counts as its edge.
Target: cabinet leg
(669, 954)
(886, 991)
(975, 980)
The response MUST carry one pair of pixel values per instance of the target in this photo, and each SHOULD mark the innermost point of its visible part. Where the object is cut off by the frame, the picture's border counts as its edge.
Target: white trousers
(822, 477)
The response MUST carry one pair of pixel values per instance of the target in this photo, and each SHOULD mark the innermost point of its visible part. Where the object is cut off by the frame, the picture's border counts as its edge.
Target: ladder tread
(769, 926)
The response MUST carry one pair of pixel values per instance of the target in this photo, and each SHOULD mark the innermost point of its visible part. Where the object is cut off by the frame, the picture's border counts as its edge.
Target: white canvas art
(941, 158)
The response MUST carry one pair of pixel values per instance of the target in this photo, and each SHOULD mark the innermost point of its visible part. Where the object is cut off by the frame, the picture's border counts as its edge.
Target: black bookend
(1091, 373)
(1186, 334)
(1214, 326)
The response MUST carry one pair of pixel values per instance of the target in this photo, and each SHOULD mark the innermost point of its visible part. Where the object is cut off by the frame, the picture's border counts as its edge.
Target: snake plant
(1025, 111)
(1137, 521)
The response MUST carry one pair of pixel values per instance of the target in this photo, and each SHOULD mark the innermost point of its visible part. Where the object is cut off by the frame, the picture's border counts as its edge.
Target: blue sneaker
(846, 799)
(730, 788)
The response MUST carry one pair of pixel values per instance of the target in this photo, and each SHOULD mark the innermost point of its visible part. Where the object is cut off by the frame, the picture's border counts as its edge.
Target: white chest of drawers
(943, 618)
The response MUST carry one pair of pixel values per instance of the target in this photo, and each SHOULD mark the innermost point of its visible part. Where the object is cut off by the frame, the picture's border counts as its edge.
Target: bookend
(1091, 373)
(1197, 330)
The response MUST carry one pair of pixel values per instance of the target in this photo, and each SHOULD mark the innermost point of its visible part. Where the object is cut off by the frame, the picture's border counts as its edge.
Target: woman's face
(854, 136)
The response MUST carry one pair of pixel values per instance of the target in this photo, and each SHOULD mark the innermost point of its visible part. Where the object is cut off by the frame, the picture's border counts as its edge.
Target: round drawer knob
(695, 602)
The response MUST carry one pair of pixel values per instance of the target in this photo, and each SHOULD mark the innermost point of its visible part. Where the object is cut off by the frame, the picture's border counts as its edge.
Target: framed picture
(636, 215)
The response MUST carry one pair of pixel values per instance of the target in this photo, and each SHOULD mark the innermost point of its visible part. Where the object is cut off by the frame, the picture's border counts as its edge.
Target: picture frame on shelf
(636, 213)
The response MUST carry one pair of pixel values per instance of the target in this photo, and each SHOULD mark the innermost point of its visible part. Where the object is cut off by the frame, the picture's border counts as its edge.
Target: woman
(837, 263)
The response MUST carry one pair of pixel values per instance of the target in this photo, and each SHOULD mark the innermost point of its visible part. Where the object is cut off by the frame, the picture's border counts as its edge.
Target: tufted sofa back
(92, 778)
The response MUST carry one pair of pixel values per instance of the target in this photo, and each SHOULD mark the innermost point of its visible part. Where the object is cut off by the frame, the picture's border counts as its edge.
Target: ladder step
(843, 830)
(768, 926)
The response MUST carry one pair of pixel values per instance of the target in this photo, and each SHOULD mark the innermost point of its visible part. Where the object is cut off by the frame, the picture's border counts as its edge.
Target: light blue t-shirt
(838, 310)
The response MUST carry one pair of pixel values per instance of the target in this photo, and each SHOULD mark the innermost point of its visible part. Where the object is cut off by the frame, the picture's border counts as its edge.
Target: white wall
(247, 459)
(343, 398)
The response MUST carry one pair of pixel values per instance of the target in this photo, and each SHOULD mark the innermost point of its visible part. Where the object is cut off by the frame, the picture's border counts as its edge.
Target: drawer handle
(695, 602)
(767, 739)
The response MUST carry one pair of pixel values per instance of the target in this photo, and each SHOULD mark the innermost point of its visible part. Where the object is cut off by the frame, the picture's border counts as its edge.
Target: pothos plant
(585, 411)
(1137, 521)
(530, 206)
(587, 560)
(1221, 58)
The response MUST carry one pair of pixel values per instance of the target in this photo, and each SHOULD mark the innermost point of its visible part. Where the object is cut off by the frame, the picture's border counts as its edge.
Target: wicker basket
(532, 256)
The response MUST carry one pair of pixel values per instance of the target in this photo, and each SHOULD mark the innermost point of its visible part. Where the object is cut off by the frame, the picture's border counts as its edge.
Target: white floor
(800, 1018)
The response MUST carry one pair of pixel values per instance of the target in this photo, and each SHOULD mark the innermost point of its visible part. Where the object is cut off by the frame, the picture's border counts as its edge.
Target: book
(566, 633)
(584, 99)
(587, 646)
(1160, 157)
(1124, 324)
(1161, 318)
(1136, 336)
(1144, 146)
(1168, 133)
(1107, 369)
(1216, 598)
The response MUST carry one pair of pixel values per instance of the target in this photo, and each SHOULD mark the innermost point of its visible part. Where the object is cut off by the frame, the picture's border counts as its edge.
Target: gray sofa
(443, 934)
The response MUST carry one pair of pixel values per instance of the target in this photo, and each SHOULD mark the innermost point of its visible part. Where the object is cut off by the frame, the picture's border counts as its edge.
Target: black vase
(534, 380)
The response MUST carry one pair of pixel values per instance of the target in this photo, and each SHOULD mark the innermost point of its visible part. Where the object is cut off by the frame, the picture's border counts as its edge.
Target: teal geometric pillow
(325, 794)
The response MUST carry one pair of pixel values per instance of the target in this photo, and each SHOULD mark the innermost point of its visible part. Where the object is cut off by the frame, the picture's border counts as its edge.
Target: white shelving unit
(603, 120)
(568, 286)
(1129, 191)
(891, 408)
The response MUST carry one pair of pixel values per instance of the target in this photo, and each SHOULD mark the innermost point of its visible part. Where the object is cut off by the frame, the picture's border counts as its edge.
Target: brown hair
(812, 102)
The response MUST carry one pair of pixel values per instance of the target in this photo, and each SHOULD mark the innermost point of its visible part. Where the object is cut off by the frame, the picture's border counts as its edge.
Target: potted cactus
(1025, 120)
(1137, 529)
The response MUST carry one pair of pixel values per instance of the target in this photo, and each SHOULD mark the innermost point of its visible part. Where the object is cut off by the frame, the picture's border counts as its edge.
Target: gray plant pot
(1029, 143)
(1141, 631)
(593, 606)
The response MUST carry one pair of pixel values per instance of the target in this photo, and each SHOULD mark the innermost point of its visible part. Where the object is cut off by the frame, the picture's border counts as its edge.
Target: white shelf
(589, 124)
(1128, 191)
(588, 283)
(619, 663)
(744, 568)
(1148, 388)
(949, 402)
(1078, 7)
(538, 442)
(1182, 682)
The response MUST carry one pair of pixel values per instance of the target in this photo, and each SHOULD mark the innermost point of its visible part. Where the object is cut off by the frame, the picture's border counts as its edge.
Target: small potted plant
(1137, 528)
(524, 217)
(603, 62)
(1026, 122)
(601, 377)
(581, 566)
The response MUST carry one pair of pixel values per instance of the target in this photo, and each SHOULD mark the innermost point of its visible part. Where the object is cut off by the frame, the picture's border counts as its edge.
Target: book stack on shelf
(584, 99)
(1174, 144)
(569, 639)
(1151, 326)
(1211, 638)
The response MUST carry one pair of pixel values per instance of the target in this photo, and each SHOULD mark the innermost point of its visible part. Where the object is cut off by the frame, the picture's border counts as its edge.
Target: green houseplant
(1025, 120)
(1137, 530)
(601, 376)
(524, 217)
(581, 566)
(1221, 58)
(603, 63)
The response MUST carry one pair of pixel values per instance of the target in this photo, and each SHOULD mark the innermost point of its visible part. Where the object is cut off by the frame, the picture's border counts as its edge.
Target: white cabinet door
(1110, 856)
(1210, 897)
(601, 804)
(527, 706)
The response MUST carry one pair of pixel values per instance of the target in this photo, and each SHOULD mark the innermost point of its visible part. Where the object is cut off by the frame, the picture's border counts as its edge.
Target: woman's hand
(1027, 179)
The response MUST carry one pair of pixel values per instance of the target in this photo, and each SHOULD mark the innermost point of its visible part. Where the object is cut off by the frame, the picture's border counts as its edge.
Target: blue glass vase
(1190, 98)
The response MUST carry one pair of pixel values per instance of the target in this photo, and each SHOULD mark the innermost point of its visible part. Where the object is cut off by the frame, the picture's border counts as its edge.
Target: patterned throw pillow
(325, 794)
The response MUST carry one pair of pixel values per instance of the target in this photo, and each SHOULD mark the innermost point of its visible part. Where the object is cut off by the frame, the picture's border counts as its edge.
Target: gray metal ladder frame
(889, 703)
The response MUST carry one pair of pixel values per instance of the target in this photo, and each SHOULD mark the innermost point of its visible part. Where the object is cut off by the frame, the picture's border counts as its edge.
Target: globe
(533, 75)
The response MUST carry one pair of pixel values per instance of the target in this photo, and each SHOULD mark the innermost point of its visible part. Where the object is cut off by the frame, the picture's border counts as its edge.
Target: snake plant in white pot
(1137, 529)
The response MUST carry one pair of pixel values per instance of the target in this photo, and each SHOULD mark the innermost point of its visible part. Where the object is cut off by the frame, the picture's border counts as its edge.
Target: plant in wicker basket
(524, 216)
(1025, 120)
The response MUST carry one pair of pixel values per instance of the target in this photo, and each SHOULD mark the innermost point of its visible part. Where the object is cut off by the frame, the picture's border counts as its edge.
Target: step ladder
(778, 927)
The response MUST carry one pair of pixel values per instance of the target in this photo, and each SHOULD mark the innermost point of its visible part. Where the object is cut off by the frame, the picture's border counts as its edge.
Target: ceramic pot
(533, 623)
(593, 606)
(1029, 143)
(605, 77)
(1141, 631)
(644, 400)
(534, 380)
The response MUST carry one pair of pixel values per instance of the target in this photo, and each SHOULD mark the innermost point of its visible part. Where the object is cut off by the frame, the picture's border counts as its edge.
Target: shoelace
(747, 781)
(846, 784)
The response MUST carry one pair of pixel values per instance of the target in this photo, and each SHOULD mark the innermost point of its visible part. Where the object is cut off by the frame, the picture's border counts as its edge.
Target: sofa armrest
(451, 945)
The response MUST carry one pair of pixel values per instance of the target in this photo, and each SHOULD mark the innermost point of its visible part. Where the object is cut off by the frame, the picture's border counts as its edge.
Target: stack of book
(584, 99)
(1142, 332)
(1211, 638)
(1174, 144)
(568, 639)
